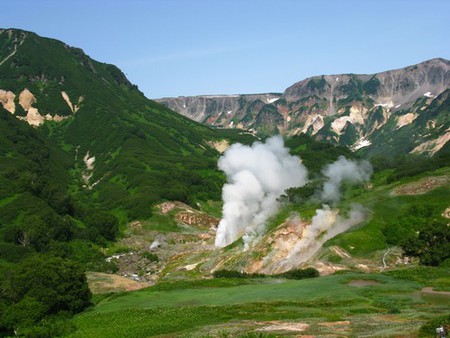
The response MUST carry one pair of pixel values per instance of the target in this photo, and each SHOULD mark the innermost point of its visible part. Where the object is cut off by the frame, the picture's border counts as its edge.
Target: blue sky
(195, 47)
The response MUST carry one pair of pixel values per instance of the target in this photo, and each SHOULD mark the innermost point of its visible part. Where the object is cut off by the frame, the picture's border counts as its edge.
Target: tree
(431, 245)
(38, 287)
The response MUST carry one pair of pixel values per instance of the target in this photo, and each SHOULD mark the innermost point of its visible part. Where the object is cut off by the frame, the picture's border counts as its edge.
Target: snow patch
(389, 104)
(273, 100)
(428, 94)
(397, 106)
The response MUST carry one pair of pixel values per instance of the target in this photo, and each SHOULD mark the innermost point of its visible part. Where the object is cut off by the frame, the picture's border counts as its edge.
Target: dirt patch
(282, 326)
(359, 283)
(7, 100)
(432, 146)
(197, 219)
(423, 186)
(220, 146)
(333, 324)
(340, 326)
(103, 283)
(169, 206)
(26, 99)
(430, 291)
(404, 120)
(446, 213)
(73, 107)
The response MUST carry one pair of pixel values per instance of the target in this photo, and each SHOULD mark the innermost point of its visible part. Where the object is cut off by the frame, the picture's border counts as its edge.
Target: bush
(429, 329)
(432, 245)
(292, 274)
(39, 287)
(150, 256)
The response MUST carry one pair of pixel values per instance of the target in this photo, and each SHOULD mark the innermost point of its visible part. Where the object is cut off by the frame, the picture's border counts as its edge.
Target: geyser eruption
(340, 171)
(257, 175)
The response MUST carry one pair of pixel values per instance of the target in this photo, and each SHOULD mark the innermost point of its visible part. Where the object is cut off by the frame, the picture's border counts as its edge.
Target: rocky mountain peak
(359, 107)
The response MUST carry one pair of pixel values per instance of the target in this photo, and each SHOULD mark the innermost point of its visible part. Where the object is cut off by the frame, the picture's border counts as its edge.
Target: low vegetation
(291, 274)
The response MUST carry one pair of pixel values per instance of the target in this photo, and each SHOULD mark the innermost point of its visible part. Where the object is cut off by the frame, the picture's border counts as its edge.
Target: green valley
(111, 203)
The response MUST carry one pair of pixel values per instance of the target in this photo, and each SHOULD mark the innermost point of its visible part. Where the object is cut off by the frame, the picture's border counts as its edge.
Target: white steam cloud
(326, 224)
(340, 171)
(257, 175)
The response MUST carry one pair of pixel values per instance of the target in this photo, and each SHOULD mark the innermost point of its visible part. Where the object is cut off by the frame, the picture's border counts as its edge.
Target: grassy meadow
(354, 304)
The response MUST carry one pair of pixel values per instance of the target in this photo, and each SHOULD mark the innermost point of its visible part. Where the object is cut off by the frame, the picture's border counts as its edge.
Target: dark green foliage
(300, 273)
(301, 194)
(315, 155)
(371, 87)
(292, 274)
(38, 287)
(353, 89)
(317, 83)
(150, 256)
(431, 245)
(268, 119)
(349, 135)
(420, 274)
(407, 166)
(413, 218)
(429, 329)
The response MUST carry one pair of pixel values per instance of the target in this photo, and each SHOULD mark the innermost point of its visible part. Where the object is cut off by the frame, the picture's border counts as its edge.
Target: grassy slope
(385, 208)
(239, 308)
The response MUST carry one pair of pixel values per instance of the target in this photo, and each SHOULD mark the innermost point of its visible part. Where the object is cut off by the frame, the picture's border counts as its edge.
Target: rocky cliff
(397, 110)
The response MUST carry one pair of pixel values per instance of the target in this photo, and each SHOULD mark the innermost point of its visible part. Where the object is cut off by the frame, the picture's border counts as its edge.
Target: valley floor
(342, 305)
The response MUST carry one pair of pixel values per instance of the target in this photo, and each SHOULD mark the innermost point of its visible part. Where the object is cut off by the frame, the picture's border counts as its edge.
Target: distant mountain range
(397, 111)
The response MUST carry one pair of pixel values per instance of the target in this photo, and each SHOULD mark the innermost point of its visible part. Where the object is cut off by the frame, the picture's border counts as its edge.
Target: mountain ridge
(348, 109)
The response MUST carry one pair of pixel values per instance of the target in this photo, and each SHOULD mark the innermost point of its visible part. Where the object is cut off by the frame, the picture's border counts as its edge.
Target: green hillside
(106, 180)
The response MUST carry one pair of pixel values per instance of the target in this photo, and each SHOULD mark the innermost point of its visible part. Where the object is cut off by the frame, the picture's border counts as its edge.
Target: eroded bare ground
(189, 253)
(430, 291)
(388, 325)
(446, 213)
(152, 253)
(422, 187)
(102, 283)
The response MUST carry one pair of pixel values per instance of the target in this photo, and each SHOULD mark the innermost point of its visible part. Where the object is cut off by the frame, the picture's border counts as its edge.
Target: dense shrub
(291, 274)
(39, 287)
(431, 245)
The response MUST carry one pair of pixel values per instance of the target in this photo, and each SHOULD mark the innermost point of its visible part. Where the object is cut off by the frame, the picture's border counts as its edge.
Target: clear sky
(195, 47)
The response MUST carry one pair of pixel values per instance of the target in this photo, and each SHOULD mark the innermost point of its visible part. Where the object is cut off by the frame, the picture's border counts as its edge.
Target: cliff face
(399, 109)
(220, 110)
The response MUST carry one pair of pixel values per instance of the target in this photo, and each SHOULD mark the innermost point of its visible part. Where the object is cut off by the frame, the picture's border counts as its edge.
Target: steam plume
(325, 225)
(343, 170)
(257, 175)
